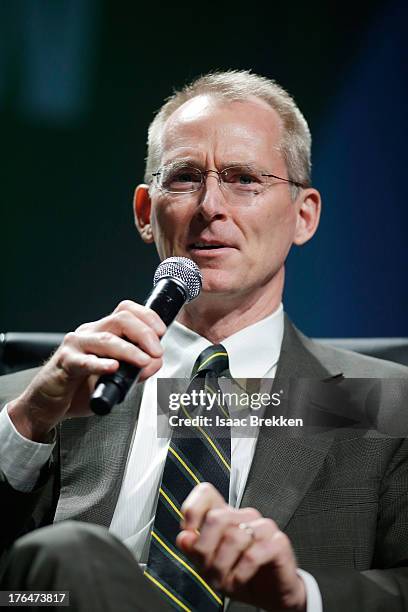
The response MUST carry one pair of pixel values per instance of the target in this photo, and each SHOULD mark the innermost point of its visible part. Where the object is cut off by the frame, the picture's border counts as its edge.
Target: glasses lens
(243, 181)
(180, 179)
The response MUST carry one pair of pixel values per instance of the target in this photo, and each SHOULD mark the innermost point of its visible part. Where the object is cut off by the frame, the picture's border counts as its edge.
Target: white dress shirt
(21, 459)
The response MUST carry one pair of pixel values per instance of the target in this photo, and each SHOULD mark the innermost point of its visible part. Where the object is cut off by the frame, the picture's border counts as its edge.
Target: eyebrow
(182, 160)
(192, 162)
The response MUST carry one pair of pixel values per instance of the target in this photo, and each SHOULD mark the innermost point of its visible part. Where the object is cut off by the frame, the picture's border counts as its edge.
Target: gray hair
(234, 85)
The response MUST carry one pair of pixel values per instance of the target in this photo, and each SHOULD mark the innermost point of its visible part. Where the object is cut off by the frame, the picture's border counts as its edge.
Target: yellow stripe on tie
(171, 503)
(184, 464)
(210, 358)
(190, 569)
(206, 436)
(173, 597)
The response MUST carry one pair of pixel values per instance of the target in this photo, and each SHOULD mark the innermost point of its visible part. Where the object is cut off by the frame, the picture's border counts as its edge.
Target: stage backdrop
(79, 82)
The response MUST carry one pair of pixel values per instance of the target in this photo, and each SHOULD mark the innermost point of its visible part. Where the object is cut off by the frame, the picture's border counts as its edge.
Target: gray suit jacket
(339, 492)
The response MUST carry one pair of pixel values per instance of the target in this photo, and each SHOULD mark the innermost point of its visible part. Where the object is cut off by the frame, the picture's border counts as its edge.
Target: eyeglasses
(242, 182)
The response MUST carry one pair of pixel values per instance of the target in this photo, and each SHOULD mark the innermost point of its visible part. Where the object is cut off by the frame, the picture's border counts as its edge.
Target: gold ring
(248, 529)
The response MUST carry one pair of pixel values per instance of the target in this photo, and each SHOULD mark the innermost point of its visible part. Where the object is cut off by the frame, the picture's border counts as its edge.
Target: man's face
(247, 244)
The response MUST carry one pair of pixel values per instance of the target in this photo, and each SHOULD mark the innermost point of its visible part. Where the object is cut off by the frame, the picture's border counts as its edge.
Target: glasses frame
(204, 173)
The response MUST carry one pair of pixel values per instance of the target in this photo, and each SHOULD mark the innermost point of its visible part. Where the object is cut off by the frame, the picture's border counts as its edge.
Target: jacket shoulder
(338, 360)
(355, 365)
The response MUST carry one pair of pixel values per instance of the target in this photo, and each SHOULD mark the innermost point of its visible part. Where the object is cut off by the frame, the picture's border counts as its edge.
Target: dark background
(79, 81)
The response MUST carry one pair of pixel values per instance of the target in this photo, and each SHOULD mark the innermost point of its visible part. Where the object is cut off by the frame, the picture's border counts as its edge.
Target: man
(312, 523)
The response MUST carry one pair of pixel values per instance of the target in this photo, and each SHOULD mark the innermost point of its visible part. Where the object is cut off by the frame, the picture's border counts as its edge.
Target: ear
(141, 209)
(309, 206)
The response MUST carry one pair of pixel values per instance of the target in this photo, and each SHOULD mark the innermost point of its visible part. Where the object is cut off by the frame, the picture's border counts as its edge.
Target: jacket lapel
(93, 454)
(284, 465)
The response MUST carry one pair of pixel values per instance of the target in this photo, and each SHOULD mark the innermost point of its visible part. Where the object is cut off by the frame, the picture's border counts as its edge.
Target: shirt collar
(252, 351)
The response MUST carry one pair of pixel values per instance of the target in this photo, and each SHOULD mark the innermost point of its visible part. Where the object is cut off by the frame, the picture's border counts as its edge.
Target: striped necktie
(196, 454)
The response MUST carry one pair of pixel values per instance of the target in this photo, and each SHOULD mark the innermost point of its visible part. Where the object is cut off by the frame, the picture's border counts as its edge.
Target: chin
(220, 282)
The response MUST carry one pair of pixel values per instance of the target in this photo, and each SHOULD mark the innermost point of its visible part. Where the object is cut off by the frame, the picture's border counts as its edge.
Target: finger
(134, 329)
(203, 497)
(71, 363)
(147, 315)
(218, 522)
(233, 543)
(108, 345)
(275, 550)
(186, 540)
(153, 366)
(78, 364)
(129, 327)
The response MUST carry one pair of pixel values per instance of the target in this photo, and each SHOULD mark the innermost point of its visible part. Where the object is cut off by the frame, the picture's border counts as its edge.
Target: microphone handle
(167, 299)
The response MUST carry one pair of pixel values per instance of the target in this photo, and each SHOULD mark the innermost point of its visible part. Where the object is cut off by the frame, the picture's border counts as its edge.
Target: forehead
(235, 130)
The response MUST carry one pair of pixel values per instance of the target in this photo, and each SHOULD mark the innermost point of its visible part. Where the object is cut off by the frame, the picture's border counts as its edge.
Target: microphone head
(183, 270)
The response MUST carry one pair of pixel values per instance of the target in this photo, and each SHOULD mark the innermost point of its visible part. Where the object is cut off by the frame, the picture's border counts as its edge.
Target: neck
(218, 316)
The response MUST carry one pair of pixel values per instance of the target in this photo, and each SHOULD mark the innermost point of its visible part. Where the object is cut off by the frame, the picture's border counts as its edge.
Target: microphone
(177, 280)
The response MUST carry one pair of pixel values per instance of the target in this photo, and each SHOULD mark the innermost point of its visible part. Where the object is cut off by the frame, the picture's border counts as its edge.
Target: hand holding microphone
(120, 347)
(177, 280)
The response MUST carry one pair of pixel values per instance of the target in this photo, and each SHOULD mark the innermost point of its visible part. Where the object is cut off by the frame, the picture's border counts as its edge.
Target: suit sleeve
(24, 511)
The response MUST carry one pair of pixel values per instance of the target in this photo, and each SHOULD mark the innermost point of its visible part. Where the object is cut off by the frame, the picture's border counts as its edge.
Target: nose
(212, 199)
